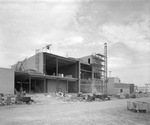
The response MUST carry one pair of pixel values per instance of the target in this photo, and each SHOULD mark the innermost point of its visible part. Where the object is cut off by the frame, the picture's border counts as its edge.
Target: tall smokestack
(105, 67)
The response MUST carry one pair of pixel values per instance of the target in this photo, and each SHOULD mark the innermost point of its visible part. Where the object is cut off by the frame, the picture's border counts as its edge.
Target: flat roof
(61, 57)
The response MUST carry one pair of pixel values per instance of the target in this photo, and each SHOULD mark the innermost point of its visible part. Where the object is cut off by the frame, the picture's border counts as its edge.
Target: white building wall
(52, 86)
(116, 80)
(110, 86)
(30, 63)
(124, 90)
(55, 86)
(114, 86)
(6, 81)
(85, 59)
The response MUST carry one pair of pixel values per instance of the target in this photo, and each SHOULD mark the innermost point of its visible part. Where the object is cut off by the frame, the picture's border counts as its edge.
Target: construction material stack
(138, 106)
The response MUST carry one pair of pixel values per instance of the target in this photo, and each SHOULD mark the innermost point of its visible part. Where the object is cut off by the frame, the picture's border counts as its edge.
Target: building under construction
(45, 72)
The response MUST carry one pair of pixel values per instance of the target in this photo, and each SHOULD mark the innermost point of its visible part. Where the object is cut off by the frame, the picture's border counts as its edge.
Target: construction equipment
(47, 47)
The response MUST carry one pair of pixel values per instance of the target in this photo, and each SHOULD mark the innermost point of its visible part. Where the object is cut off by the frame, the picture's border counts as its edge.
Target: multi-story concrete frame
(92, 73)
(46, 72)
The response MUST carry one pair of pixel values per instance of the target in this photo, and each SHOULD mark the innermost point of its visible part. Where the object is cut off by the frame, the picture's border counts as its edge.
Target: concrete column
(79, 77)
(45, 85)
(67, 85)
(44, 63)
(56, 66)
(29, 84)
(35, 85)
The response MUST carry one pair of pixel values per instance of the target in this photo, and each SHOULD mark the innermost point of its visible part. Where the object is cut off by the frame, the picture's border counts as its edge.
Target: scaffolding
(98, 59)
(99, 73)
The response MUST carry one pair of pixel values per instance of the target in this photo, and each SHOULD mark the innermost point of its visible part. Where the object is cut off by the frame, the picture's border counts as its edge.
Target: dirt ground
(49, 111)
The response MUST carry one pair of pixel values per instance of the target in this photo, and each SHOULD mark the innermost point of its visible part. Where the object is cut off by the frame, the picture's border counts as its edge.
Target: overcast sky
(79, 28)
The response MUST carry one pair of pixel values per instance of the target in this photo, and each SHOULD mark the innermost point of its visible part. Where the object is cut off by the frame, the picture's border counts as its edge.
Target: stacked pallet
(138, 106)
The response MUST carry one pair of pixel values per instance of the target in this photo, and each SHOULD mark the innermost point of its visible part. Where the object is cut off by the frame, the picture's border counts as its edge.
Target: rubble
(79, 97)
(21, 98)
(17, 98)
(13, 99)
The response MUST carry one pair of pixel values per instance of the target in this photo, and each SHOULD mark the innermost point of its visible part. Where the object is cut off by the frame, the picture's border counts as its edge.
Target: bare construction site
(74, 62)
(48, 110)
(50, 89)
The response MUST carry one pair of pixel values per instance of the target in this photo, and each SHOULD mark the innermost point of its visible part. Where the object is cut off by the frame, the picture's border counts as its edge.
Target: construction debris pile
(18, 98)
(88, 97)
(21, 98)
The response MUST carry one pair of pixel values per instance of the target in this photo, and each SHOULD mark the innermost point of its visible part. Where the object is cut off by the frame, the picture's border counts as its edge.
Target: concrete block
(141, 106)
(138, 106)
(130, 105)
